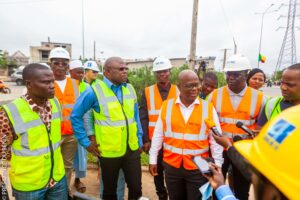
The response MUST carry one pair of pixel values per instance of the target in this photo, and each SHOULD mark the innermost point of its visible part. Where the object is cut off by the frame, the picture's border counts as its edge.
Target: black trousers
(183, 184)
(131, 165)
(241, 186)
(159, 180)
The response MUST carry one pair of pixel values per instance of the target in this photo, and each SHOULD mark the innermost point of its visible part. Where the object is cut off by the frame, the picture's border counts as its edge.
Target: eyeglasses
(121, 69)
(57, 63)
(191, 86)
(234, 74)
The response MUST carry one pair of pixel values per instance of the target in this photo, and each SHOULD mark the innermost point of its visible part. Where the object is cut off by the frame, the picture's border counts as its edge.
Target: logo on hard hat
(89, 64)
(278, 133)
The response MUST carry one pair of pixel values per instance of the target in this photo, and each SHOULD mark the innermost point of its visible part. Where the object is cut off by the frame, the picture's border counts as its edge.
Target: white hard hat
(237, 63)
(161, 63)
(92, 65)
(59, 52)
(74, 64)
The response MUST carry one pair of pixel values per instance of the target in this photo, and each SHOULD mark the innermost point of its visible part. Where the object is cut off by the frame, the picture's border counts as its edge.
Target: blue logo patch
(279, 132)
(89, 64)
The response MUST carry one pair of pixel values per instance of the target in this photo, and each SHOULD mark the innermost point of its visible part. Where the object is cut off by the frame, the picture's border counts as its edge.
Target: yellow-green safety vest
(273, 108)
(36, 155)
(115, 126)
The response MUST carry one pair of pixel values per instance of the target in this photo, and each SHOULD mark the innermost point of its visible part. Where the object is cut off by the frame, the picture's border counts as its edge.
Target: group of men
(59, 117)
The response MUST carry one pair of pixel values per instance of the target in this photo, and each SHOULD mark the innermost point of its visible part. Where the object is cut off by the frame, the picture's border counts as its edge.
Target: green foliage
(3, 61)
(144, 77)
(144, 159)
(277, 76)
(221, 79)
(91, 158)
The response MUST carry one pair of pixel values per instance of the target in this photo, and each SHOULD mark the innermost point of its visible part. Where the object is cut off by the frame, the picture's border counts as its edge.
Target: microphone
(212, 126)
(240, 125)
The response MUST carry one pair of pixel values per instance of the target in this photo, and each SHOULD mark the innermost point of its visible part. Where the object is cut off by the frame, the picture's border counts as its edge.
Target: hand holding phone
(202, 165)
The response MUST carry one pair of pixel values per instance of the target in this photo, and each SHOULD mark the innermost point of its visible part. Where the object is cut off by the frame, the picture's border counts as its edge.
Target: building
(176, 62)
(18, 58)
(41, 53)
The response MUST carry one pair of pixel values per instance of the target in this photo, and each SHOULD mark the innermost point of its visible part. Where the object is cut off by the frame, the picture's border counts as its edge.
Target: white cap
(237, 63)
(59, 52)
(161, 63)
(92, 65)
(74, 64)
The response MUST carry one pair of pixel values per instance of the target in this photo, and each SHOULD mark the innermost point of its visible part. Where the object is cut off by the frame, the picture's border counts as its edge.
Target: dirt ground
(93, 184)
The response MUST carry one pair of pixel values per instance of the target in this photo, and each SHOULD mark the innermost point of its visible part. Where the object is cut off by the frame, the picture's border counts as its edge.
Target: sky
(145, 28)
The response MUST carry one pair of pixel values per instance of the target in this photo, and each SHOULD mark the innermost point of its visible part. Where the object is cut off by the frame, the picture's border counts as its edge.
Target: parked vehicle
(17, 77)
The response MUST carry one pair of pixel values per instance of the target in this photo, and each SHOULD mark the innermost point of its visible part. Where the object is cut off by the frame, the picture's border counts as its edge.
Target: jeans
(120, 187)
(58, 191)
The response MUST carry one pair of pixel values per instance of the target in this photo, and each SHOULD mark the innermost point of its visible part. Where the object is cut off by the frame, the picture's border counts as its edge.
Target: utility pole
(94, 50)
(82, 13)
(225, 56)
(192, 56)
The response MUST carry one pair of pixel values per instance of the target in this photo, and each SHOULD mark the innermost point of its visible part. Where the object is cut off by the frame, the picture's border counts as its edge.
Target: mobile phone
(202, 165)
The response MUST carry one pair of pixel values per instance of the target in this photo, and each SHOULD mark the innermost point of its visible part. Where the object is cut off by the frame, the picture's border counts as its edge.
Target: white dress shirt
(157, 139)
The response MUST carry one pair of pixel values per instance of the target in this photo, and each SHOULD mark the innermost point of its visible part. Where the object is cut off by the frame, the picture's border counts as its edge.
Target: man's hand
(146, 147)
(92, 138)
(153, 170)
(223, 141)
(217, 179)
(93, 149)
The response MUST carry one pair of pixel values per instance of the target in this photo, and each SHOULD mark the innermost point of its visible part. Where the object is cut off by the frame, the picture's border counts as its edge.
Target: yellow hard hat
(275, 152)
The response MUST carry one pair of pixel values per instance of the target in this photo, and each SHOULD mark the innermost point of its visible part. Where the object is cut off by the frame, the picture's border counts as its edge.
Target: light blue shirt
(223, 192)
(88, 100)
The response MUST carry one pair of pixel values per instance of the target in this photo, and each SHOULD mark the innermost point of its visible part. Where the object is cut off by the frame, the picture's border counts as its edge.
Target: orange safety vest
(183, 140)
(154, 103)
(67, 100)
(247, 111)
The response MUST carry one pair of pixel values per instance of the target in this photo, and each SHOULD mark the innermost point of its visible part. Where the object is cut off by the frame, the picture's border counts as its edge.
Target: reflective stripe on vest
(228, 120)
(103, 100)
(115, 126)
(185, 136)
(273, 105)
(34, 162)
(23, 128)
(185, 151)
(152, 110)
(253, 103)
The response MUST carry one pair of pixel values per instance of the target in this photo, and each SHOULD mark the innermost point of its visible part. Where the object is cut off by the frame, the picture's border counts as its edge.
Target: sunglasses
(234, 74)
(57, 63)
(95, 72)
(121, 69)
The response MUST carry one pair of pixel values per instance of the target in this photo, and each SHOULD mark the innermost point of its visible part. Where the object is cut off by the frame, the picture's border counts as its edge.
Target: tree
(3, 61)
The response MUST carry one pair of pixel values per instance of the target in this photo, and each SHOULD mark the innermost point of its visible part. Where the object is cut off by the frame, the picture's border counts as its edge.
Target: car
(17, 77)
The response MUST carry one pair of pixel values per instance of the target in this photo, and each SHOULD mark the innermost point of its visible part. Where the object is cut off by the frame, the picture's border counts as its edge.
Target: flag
(262, 58)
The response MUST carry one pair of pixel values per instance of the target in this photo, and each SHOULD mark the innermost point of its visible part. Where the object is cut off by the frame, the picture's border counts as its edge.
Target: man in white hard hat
(237, 102)
(91, 72)
(151, 102)
(66, 91)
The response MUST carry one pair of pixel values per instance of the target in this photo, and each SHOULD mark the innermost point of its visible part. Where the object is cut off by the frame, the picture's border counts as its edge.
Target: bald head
(111, 61)
(185, 75)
